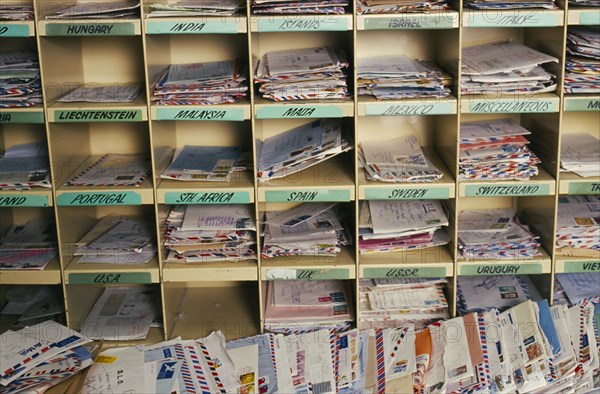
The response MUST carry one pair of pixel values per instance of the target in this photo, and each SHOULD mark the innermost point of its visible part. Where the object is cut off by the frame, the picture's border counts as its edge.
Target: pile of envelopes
(505, 68)
(204, 233)
(577, 288)
(578, 226)
(186, 8)
(509, 4)
(394, 226)
(399, 6)
(582, 65)
(206, 163)
(23, 166)
(392, 302)
(398, 160)
(32, 304)
(40, 356)
(218, 82)
(585, 3)
(29, 246)
(310, 229)
(332, 7)
(94, 93)
(98, 10)
(303, 74)
(16, 12)
(20, 83)
(299, 148)
(482, 293)
(495, 234)
(114, 169)
(580, 154)
(296, 306)
(398, 77)
(115, 239)
(495, 150)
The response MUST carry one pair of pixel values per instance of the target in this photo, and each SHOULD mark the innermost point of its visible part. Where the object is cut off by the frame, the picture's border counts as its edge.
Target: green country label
(584, 187)
(412, 21)
(517, 189)
(20, 200)
(90, 29)
(500, 269)
(484, 106)
(308, 274)
(192, 27)
(531, 18)
(102, 115)
(109, 278)
(589, 18)
(412, 193)
(22, 117)
(582, 104)
(98, 198)
(236, 114)
(410, 108)
(207, 198)
(14, 30)
(404, 272)
(307, 195)
(320, 23)
(582, 266)
(289, 111)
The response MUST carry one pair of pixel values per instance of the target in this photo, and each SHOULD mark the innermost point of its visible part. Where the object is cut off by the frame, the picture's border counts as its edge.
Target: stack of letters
(98, 10)
(393, 302)
(310, 229)
(24, 166)
(205, 163)
(483, 293)
(186, 8)
(294, 306)
(580, 154)
(299, 148)
(582, 73)
(399, 160)
(399, 6)
(94, 93)
(529, 348)
(16, 12)
(334, 7)
(218, 82)
(509, 4)
(495, 234)
(495, 150)
(303, 74)
(578, 288)
(20, 83)
(394, 226)
(117, 240)
(114, 170)
(578, 226)
(399, 77)
(585, 3)
(505, 67)
(28, 246)
(204, 233)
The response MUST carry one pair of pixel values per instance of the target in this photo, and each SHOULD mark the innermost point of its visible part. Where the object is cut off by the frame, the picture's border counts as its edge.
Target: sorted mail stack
(495, 234)
(311, 229)
(102, 94)
(393, 302)
(495, 150)
(29, 246)
(205, 233)
(399, 6)
(41, 356)
(219, 82)
(303, 74)
(582, 66)
(399, 77)
(206, 163)
(505, 68)
(16, 12)
(332, 7)
(114, 169)
(98, 10)
(299, 148)
(185, 8)
(509, 4)
(483, 293)
(399, 160)
(578, 288)
(584, 3)
(395, 226)
(24, 166)
(578, 227)
(297, 306)
(20, 83)
(116, 239)
(580, 154)
(31, 304)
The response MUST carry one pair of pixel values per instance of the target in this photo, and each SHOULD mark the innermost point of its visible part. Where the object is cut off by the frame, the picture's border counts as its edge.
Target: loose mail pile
(393, 302)
(94, 93)
(578, 227)
(114, 169)
(186, 8)
(299, 148)
(117, 239)
(332, 7)
(208, 83)
(584, 3)
(297, 306)
(16, 12)
(580, 154)
(505, 67)
(31, 304)
(582, 65)
(398, 160)
(394, 226)
(529, 348)
(399, 77)
(578, 288)
(206, 163)
(98, 10)
(310, 229)
(23, 166)
(205, 233)
(303, 74)
(509, 4)
(41, 356)
(495, 150)
(20, 83)
(399, 6)
(495, 234)
(29, 246)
